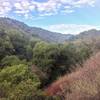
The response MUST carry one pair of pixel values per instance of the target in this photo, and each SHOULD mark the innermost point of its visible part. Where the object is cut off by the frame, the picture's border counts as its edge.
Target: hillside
(84, 84)
(11, 25)
(89, 35)
(33, 58)
(28, 64)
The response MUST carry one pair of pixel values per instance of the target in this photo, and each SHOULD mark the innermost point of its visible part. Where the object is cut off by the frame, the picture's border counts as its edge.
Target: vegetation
(57, 59)
(17, 82)
(29, 64)
(84, 84)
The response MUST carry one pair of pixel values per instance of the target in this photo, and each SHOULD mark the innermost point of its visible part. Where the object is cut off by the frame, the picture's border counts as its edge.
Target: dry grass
(83, 84)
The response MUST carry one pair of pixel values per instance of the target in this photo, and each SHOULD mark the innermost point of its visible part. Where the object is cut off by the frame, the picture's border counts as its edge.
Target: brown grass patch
(83, 84)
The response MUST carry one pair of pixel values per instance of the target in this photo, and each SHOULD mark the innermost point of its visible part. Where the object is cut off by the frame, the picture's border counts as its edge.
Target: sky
(63, 16)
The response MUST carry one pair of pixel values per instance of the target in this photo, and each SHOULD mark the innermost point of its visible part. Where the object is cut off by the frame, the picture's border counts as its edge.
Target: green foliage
(20, 45)
(44, 54)
(11, 60)
(83, 53)
(57, 59)
(15, 42)
(25, 90)
(17, 82)
(6, 47)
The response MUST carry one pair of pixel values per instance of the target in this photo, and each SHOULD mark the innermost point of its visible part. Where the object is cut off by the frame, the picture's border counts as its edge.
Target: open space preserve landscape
(49, 49)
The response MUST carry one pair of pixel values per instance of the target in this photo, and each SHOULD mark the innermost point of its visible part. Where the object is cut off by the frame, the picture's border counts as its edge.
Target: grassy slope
(83, 84)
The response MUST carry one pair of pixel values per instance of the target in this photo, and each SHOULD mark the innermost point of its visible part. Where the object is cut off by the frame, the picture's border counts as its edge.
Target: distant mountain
(14, 26)
(10, 24)
(51, 36)
(90, 34)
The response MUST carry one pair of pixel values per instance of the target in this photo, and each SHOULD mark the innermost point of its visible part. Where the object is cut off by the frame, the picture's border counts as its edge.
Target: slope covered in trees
(22, 59)
(28, 64)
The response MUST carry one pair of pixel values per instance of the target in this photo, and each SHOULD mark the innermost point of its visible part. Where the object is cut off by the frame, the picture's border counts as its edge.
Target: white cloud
(5, 8)
(68, 11)
(18, 6)
(89, 2)
(71, 28)
(48, 7)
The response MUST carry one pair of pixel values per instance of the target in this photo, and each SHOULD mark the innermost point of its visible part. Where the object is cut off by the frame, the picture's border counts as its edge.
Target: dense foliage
(19, 79)
(57, 59)
(17, 82)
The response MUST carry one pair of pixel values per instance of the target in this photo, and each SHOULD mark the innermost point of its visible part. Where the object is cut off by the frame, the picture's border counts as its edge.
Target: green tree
(11, 60)
(18, 82)
(6, 47)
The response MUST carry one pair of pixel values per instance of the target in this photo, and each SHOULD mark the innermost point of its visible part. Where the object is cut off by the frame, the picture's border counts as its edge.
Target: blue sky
(64, 16)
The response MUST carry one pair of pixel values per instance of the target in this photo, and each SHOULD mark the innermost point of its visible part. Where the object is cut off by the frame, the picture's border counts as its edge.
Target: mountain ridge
(36, 31)
(45, 35)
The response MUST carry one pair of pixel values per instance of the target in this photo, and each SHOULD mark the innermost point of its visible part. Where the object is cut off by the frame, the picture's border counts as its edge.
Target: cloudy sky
(64, 16)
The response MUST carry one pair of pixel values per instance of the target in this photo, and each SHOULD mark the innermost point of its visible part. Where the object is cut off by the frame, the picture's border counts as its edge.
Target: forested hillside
(30, 63)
